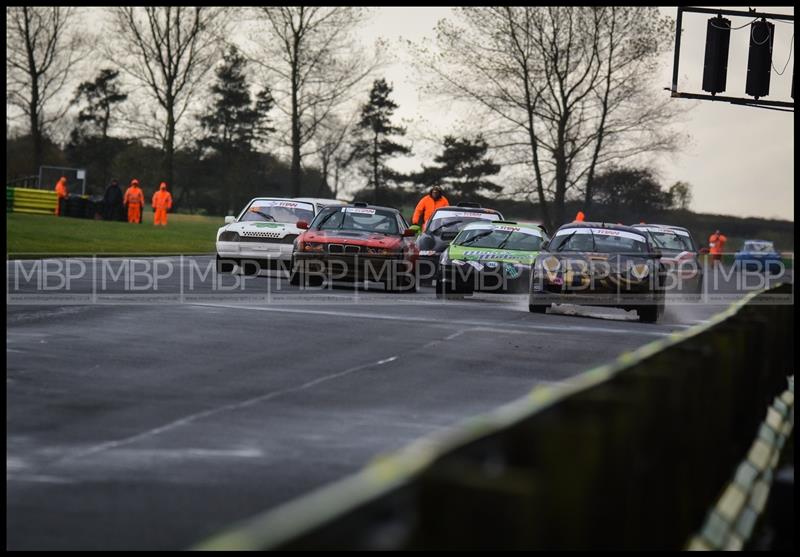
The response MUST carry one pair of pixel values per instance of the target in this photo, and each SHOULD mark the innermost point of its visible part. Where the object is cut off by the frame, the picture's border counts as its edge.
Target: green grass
(44, 235)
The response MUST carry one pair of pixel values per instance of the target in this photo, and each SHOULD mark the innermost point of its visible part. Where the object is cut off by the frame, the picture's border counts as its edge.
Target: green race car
(490, 256)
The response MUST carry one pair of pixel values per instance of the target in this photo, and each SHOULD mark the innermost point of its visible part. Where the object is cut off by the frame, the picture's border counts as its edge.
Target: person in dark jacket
(112, 202)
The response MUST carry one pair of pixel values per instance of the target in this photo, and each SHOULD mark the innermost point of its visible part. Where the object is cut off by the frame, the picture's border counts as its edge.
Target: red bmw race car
(356, 242)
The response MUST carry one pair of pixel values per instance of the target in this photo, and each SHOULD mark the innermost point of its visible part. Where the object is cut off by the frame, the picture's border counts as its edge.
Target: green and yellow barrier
(26, 200)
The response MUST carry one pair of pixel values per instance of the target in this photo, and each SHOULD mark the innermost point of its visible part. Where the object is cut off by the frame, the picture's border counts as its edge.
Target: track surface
(141, 425)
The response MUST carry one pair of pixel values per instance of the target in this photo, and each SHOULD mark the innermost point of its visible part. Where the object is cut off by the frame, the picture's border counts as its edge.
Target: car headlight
(445, 258)
(551, 264)
(229, 236)
(314, 247)
(427, 252)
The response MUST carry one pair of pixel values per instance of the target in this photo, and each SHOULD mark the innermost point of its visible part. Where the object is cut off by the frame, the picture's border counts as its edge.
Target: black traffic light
(759, 60)
(715, 67)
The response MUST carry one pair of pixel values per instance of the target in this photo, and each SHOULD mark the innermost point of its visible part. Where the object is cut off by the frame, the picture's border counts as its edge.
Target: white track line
(227, 407)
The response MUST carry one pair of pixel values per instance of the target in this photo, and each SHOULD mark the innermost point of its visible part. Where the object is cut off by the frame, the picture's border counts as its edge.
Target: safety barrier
(25, 200)
(730, 523)
(631, 455)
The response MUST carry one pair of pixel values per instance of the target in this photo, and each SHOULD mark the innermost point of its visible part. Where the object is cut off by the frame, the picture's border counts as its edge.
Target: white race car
(263, 235)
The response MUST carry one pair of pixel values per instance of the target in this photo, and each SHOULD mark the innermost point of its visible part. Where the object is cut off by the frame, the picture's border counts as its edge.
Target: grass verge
(44, 235)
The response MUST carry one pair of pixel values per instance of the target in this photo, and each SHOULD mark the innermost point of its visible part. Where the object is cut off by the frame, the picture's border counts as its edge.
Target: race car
(357, 242)
(263, 234)
(680, 257)
(489, 256)
(599, 264)
(759, 255)
(445, 225)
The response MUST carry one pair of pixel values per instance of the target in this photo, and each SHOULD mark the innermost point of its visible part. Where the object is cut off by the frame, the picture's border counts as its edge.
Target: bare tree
(41, 54)
(569, 84)
(334, 149)
(313, 62)
(170, 50)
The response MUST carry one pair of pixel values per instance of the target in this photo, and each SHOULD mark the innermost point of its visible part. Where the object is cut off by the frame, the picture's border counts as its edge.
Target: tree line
(561, 97)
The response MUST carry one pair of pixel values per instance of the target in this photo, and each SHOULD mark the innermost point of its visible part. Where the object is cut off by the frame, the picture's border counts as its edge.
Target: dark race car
(356, 242)
(598, 264)
(444, 226)
(680, 257)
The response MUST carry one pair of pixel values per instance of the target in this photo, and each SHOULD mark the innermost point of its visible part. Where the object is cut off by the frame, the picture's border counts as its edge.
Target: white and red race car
(262, 236)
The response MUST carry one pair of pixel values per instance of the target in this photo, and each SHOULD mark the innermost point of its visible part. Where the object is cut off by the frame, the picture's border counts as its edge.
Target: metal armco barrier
(632, 455)
(25, 200)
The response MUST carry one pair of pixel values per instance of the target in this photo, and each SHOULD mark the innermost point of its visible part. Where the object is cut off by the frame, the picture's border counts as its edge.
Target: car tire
(225, 265)
(445, 291)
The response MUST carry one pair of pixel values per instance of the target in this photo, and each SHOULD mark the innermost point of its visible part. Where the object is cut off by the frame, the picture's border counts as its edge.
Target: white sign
(81, 174)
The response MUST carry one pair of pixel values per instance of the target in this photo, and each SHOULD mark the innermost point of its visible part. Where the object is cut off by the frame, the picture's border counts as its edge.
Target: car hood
(353, 237)
(470, 253)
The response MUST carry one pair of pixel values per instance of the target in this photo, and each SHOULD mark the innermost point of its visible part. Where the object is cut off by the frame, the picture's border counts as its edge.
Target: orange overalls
(716, 244)
(61, 193)
(162, 200)
(425, 208)
(134, 199)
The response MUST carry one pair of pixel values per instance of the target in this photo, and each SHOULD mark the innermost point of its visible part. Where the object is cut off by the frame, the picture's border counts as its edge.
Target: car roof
(760, 241)
(610, 226)
(279, 199)
(667, 226)
(496, 223)
(321, 200)
(370, 206)
(467, 209)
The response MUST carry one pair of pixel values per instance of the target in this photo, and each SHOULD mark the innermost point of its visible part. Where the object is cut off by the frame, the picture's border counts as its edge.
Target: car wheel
(225, 265)
(295, 275)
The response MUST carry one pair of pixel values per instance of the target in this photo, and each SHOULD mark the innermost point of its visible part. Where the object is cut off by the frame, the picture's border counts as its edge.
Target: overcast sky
(740, 160)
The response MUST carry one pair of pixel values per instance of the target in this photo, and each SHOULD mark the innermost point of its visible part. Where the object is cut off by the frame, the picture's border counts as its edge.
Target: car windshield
(670, 241)
(598, 240)
(262, 210)
(446, 220)
(500, 238)
(764, 247)
(382, 221)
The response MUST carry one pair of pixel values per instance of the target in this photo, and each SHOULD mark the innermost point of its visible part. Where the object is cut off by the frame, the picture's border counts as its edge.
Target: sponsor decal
(602, 232)
(277, 203)
(360, 210)
(478, 254)
(468, 215)
(266, 225)
(664, 230)
(511, 271)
